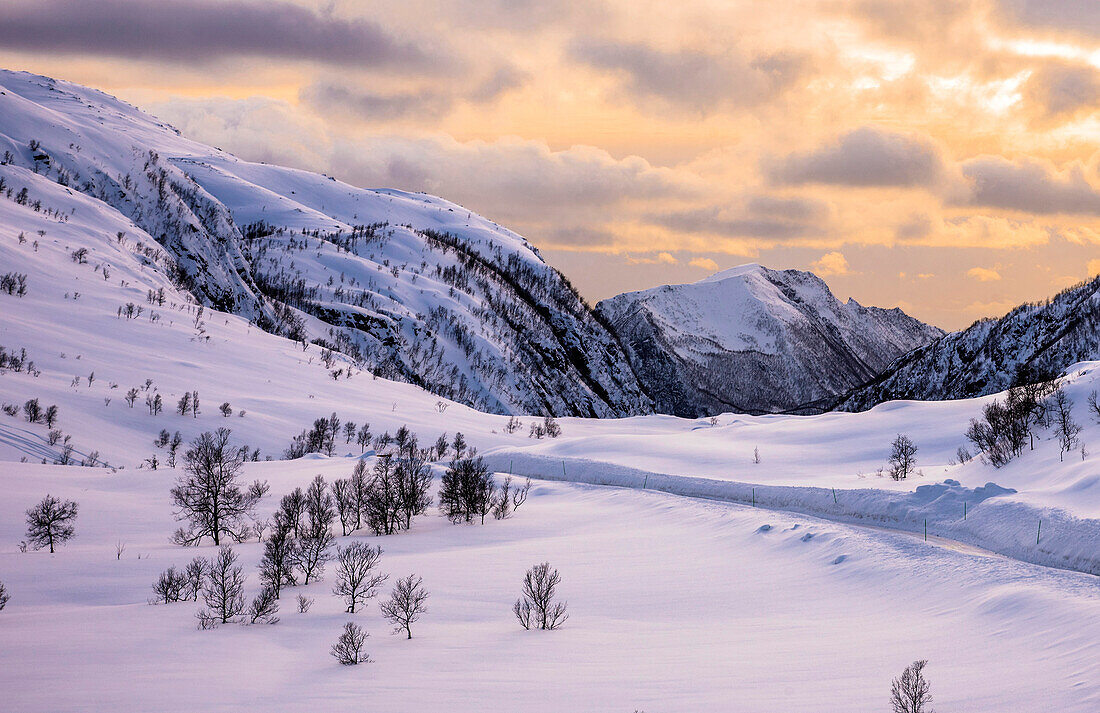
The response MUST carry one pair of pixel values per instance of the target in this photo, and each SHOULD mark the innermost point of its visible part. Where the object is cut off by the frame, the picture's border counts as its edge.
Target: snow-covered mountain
(407, 286)
(1033, 341)
(751, 339)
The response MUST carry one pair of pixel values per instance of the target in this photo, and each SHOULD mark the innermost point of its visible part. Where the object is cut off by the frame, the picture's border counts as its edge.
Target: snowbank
(975, 516)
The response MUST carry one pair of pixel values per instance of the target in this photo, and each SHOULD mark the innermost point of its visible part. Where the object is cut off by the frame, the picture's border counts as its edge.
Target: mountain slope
(407, 286)
(1033, 341)
(752, 339)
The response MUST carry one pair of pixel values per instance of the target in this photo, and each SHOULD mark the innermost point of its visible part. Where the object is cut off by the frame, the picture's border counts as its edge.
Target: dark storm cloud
(863, 157)
(692, 79)
(196, 30)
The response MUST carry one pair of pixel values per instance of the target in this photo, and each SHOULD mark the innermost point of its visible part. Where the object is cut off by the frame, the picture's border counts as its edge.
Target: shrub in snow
(406, 604)
(536, 608)
(348, 649)
(356, 579)
(3, 596)
(50, 522)
(304, 603)
(911, 692)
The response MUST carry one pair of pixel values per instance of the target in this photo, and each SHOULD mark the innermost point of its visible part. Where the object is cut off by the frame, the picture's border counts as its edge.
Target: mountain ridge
(752, 339)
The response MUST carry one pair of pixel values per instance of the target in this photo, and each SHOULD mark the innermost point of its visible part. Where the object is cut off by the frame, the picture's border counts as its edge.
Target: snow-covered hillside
(753, 340)
(409, 287)
(1031, 342)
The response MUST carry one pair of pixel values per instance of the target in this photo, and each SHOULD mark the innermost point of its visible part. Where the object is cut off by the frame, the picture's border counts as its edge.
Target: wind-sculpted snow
(1005, 527)
(750, 339)
(408, 286)
(1030, 343)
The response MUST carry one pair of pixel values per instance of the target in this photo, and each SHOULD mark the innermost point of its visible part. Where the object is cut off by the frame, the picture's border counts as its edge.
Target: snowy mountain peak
(754, 339)
(750, 268)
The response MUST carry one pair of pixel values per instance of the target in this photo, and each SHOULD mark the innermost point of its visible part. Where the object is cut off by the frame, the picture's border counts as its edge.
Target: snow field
(675, 605)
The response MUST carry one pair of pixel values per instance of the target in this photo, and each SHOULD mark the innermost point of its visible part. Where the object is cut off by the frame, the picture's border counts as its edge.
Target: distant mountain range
(1032, 342)
(750, 339)
(417, 289)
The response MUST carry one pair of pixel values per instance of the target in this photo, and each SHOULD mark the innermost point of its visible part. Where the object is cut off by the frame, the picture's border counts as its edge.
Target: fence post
(754, 497)
(646, 481)
(834, 496)
(926, 529)
(1039, 531)
(964, 509)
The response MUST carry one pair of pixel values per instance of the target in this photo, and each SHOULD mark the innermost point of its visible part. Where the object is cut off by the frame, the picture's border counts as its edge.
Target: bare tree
(1065, 428)
(363, 438)
(911, 692)
(209, 495)
(292, 508)
(1094, 407)
(171, 586)
(414, 481)
(314, 546)
(536, 608)
(903, 457)
(312, 553)
(467, 489)
(3, 596)
(550, 427)
(50, 522)
(280, 554)
(502, 503)
(264, 607)
(360, 485)
(346, 508)
(223, 591)
(406, 604)
(348, 649)
(381, 507)
(356, 579)
(195, 574)
(32, 410)
(519, 495)
(304, 603)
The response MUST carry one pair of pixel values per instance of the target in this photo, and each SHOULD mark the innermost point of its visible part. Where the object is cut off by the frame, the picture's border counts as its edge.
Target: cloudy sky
(935, 155)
